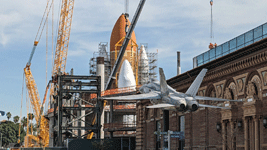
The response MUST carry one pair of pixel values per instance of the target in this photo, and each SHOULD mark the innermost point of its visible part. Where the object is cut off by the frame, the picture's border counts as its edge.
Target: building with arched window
(237, 69)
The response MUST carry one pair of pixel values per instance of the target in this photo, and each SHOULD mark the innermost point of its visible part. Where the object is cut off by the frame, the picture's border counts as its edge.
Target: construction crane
(63, 37)
(42, 138)
(59, 64)
(121, 54)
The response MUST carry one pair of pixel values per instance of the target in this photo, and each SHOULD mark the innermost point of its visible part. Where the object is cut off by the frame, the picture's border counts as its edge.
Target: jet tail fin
(163, 84)
(193, 89)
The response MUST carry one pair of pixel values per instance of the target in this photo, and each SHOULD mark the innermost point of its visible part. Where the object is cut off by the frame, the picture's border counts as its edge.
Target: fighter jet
(165, 97)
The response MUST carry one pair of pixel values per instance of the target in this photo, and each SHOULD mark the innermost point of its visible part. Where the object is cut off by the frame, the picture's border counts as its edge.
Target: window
(212, 53)
(240, 40)
(199, 60)
(218, 51)
(182, 129)
(206, 57)
(233, 43)
(264, 30)
(249, 36)
(182, 123)
(158, 139)
(258, 32)
(225, 48)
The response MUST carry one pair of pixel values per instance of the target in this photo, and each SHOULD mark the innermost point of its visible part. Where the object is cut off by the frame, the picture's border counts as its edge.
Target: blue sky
(168, 26)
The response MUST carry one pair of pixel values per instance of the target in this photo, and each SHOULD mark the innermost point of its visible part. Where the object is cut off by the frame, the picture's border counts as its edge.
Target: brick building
(236, 70)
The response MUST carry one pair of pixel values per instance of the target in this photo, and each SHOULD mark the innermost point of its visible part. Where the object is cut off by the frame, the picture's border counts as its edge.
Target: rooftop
(232, 45)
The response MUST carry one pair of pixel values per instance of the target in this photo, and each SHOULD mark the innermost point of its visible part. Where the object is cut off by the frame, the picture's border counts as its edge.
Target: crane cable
(46, 12)
(46, 55)
(211, 24)
(21, 106)
(49, 102)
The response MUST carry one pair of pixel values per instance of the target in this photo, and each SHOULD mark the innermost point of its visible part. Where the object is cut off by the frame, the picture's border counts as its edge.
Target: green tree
(8, 115)
(10, 132)
(16, 119)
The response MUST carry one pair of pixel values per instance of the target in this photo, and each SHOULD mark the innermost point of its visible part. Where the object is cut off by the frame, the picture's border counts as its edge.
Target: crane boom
(63, 36)
(33, 92)
(62, 40)
(121, 54)
(43, 136)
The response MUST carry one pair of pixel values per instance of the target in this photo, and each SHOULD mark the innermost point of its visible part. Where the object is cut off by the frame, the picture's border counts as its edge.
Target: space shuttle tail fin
(163, 84)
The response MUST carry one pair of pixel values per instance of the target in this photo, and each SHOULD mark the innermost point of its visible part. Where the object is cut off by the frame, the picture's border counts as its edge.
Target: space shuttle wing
(215, 99)
(211, 106)
(160, 106)
(150, 95)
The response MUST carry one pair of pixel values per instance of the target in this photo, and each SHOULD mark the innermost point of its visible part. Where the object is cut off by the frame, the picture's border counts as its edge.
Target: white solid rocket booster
(143, 66)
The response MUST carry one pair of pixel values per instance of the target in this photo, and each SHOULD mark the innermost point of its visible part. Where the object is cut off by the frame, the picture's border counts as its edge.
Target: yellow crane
(63, 37)
(42, 139)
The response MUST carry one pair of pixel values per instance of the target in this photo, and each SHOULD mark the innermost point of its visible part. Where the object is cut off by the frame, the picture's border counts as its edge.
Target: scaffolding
(152, 59)
(102, 52)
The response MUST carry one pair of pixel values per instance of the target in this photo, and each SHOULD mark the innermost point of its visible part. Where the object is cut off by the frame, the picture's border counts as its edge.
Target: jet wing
(150, 95)
(211, 106)
(215, 99)
(161, 106)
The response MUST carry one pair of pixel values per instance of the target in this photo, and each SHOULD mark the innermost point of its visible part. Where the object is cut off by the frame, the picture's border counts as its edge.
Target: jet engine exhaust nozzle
(194, 107)
(182, 106)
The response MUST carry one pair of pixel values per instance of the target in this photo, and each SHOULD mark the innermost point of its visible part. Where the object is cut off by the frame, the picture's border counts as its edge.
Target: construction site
(75, 110)
(98, 110)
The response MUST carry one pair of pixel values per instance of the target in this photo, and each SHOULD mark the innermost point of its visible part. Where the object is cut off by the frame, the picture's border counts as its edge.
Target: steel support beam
(69, 84)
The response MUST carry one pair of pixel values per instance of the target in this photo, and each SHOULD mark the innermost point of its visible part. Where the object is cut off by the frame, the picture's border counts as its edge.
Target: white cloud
(165, 25)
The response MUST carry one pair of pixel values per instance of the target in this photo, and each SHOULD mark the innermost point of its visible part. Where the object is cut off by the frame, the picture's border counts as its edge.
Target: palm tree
(8, 115)
(16, 119)
(31, 116)
(24, 121)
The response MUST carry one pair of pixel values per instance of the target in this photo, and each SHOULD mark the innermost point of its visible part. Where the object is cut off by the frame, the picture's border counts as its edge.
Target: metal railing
(232, 45)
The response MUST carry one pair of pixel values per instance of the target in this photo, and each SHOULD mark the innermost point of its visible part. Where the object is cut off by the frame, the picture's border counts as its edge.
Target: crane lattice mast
(63, 37)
